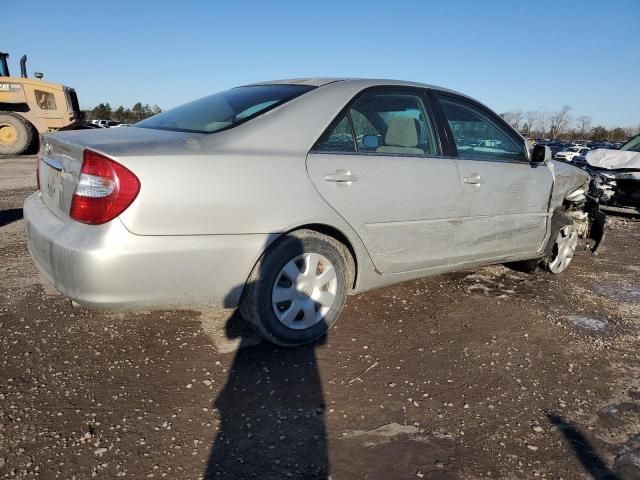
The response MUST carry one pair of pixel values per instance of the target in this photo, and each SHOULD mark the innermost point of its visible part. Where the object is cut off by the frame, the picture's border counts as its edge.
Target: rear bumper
(107, 267)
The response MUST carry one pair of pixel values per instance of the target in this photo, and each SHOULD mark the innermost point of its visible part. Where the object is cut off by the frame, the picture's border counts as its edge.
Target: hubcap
(564, 249)
(8, 134)
(304, 291)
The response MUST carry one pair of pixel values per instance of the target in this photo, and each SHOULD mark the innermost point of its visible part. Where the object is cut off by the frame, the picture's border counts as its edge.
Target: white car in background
(570, 153)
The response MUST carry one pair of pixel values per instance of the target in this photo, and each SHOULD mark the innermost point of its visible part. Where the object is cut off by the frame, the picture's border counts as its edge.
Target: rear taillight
(104, 190)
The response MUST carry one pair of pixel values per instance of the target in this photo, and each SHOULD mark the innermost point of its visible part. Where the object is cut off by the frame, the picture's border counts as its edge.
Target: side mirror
(371, 141)
(541, 154)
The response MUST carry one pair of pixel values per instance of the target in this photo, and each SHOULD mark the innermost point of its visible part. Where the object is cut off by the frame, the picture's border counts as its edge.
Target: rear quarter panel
(230, 193)
(233, 193)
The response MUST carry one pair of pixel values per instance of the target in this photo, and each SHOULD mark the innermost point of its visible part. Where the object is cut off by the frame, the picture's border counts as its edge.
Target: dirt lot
(477, 374)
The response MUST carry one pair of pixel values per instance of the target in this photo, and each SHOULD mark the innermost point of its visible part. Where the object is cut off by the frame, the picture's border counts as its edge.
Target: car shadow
(10, 215)
(271, 411)
(586, 454)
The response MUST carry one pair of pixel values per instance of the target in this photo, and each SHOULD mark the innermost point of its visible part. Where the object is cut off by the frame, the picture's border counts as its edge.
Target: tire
(293, 311)
(16, 134)
(562, 244)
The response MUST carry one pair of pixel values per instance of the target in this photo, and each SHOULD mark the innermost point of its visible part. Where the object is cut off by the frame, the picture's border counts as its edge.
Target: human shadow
(10, 215)
(583, 449)
(271, 412)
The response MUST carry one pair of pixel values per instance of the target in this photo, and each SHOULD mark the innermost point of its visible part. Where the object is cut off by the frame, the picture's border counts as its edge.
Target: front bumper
(107, 267)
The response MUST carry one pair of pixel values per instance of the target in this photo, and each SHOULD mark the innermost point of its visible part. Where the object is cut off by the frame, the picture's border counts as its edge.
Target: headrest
(402, 132)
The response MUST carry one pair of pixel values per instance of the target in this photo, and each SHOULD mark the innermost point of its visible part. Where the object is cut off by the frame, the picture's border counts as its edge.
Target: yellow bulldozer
(30, 107)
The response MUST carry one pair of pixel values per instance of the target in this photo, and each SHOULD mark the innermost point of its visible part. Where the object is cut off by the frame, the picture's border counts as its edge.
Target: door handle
(474, 179)
(341, 176)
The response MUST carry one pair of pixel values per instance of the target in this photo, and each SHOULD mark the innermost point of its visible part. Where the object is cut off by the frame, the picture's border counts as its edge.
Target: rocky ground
(487, 373)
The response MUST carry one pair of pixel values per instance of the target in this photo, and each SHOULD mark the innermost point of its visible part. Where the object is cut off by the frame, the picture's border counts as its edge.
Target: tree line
(561, 124)
(134, 114)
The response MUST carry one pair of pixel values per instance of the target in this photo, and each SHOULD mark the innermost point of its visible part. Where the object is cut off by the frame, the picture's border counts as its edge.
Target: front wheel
(16, 134)
(562, 244)
(298, 289)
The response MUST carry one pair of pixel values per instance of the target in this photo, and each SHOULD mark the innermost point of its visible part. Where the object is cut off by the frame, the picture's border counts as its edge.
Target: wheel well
(14, 107)
(340, 237)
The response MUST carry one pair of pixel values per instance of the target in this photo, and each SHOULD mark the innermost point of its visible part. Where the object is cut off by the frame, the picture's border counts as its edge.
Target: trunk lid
(58, 171)
(61, 155)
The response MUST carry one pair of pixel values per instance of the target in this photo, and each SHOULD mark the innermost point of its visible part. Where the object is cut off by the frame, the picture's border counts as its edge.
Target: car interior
(397, 120)
(401, 137)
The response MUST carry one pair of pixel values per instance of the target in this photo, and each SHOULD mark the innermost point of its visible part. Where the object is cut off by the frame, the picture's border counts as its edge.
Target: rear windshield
(224, 110)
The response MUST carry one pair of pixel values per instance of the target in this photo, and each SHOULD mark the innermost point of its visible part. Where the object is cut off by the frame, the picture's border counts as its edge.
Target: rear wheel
(16, 134)
(298, 289)
(562, 245)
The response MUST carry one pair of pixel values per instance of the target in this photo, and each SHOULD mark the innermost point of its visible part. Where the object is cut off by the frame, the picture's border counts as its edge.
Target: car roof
(364, 83)
(313, 82)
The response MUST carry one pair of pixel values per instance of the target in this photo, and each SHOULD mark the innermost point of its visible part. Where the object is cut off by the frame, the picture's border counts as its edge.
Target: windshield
(632, 145)
(224, 110)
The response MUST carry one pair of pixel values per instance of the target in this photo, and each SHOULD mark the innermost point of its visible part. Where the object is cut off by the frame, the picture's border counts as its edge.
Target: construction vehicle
(30, 107)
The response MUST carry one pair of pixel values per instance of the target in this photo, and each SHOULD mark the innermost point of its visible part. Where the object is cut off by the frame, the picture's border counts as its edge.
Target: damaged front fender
(575, 192)
(583, 205)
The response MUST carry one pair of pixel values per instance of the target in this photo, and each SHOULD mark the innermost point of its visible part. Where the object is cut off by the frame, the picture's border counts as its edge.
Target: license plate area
(51, 183)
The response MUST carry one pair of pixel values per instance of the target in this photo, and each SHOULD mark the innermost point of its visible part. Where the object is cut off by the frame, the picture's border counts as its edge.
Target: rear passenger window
(476, 135)
(395, 123)
(338, 138)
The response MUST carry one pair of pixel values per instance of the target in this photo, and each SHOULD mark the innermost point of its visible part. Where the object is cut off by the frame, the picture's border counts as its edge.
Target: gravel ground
(487, 373)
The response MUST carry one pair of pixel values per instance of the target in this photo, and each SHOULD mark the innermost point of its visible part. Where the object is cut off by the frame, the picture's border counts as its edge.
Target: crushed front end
(583, 205)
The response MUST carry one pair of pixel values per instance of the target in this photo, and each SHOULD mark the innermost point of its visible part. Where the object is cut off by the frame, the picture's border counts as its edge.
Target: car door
(505, 198)
(379, 165)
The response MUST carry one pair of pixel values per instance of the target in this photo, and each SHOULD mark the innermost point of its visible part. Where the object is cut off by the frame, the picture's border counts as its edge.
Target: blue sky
(508, 54)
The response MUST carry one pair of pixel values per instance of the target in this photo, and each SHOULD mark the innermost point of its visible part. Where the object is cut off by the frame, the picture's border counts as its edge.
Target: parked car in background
(554, 146)
(601, 144)
(282, 197)
(106, 123)
(571, 152)
(617, 175)
(122, 125)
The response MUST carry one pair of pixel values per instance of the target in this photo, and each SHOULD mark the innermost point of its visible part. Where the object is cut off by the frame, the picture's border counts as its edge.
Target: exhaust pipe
(4, 67)
(23, 66)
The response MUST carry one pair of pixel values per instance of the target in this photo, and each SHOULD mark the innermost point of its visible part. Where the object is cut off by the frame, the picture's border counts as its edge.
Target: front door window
(476, 135)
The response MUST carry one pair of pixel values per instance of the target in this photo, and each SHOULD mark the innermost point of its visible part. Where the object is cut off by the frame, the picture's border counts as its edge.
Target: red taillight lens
(105, 189)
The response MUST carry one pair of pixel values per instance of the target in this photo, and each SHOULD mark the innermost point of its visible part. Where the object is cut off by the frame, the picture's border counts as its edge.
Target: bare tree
(537, 123)
(542, 123)
(618, 135)
(599, 133)
(513, 118)
(530, 118)
(584, 125)
(559, 121)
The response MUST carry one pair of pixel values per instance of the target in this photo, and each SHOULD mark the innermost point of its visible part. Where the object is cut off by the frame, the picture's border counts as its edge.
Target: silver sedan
(283, 197)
